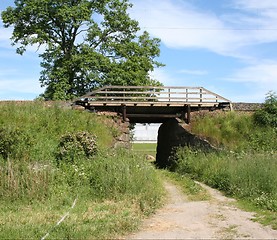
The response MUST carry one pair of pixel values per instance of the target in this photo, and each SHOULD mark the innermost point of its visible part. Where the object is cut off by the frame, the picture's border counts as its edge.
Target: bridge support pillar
(188, 110)
(172, 135)
(124, 112)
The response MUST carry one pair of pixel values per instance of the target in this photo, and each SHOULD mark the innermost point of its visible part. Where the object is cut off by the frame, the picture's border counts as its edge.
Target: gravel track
(213, 219)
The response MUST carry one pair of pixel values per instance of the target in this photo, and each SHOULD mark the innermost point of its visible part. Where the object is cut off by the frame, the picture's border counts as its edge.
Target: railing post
(201, 95)
(187, 95)
(169, 95)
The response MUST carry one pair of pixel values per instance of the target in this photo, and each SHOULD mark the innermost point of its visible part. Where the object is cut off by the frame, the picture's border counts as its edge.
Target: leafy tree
(88, 44)
(268, 114)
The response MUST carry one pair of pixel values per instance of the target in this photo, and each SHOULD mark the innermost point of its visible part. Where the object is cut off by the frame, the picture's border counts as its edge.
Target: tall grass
(114, 188)
(43, 126)
(235, 131)
(248, 176)
(29, 137)
(114, 191)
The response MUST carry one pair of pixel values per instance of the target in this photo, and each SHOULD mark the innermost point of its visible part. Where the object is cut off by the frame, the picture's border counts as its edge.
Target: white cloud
(256, 79)
(263, 75)
(16, 84)
(165, 77)
(182, 25)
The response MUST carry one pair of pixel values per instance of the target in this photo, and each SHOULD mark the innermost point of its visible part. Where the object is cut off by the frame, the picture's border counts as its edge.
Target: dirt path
(217, 218)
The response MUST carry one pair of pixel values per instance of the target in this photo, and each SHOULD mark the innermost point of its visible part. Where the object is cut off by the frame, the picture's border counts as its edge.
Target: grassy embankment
(246, 166)
(45, 168)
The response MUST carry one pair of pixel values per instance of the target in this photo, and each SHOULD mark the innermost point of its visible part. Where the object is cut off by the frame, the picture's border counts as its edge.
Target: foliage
(268, 114)
(76, 145)
(113, 193)
(87, 44)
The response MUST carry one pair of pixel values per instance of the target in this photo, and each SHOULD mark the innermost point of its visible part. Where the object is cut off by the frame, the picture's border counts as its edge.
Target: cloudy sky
(226, 46)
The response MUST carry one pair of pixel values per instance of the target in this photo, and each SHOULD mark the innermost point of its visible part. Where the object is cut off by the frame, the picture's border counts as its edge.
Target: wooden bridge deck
(152, 104)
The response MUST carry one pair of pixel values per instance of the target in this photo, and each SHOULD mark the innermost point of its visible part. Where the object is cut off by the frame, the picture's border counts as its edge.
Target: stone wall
(115, 120)
(248, 107)
(173, 134)
(123, 139)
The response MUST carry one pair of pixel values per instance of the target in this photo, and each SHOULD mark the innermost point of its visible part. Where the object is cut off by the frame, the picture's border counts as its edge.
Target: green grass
(235, 131)
(263, 216)
(145, 148)
(115, 189)
(88, 220)
(248, 176)
(114, 192)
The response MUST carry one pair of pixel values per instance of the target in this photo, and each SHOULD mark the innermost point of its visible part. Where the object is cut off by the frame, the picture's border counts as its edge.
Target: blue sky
(226, 46)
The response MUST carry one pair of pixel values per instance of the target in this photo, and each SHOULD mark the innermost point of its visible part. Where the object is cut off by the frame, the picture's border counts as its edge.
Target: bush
(14, 143)
(268, 114)
(74, 146)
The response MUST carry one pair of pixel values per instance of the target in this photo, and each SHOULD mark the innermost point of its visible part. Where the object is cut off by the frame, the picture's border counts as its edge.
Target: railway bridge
(166, 105)
(148, 104)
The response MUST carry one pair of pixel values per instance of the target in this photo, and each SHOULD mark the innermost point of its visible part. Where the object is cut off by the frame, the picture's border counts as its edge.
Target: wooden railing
(182, 95)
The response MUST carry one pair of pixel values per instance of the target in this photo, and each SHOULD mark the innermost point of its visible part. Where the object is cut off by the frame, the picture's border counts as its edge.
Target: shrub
(14, 143)
(268, 114)
(74, 146)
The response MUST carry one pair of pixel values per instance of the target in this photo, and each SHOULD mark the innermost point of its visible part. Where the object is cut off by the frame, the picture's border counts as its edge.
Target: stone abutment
(171, 135)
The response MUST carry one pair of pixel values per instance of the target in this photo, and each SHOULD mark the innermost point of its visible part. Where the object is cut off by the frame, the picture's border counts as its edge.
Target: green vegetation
(145, 148)
(192, 190)
(235, 131)
(268, 114)
(88, 44)
(246, 165)
(51, 157)
(246, 176)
